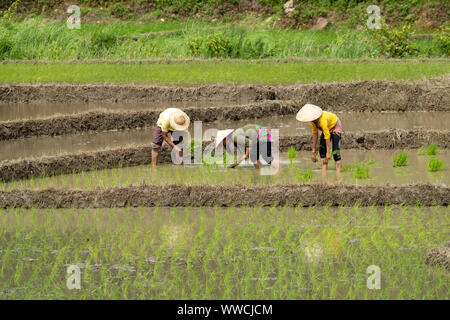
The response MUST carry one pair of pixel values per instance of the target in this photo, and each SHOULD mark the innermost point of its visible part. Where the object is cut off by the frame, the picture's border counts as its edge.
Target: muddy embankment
(104, 121)
(349, 96)
(141, 155)
(214, 195)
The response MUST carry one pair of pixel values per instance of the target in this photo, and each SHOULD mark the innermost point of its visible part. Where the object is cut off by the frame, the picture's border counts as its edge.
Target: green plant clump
(292, 154)
(435, 164)
(304, 176)
(362, 172)
(400, 160)
(394, 43)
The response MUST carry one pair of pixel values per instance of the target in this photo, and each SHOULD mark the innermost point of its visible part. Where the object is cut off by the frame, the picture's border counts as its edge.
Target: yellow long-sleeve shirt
(327, 121)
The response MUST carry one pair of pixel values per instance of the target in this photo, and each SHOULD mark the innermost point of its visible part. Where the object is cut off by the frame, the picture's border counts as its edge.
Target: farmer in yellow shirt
(170, 120)
(331, 128)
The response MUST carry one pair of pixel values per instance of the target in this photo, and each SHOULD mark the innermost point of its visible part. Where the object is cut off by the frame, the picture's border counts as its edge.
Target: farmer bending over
(248, 137)
(331, 128)
(170, 120)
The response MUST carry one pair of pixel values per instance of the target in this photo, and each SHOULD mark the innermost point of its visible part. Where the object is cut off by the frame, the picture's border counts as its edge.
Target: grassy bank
(248, 39)
(198, 72)
(215, 253)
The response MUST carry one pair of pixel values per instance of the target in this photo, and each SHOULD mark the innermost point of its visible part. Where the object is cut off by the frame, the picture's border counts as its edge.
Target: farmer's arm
(244, 157)
(327, 141)
(315, 133)
(169, 141)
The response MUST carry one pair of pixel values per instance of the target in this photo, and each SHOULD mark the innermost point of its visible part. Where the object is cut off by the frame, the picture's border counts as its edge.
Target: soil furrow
(141, 155)
(224, 196)
(347, 96)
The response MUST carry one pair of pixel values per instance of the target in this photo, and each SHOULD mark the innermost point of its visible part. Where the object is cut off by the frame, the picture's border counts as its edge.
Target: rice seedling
(304, 176)
(221, 253)
(400, 160)
(435, 164)
(292, 154)
(431, 150)
(361, 172)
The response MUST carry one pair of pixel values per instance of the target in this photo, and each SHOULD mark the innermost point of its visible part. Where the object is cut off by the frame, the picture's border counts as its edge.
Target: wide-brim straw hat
(222, 134)
(179, 120)
(309, 112)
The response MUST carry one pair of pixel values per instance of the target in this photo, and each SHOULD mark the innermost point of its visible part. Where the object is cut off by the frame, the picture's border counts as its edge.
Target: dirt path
(225, 196)
(140, 155)
(349, 96)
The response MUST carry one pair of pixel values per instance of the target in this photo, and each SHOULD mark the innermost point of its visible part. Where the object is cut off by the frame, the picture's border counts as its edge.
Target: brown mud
(141, 155)
(439, 256)
(225, 196)
(348, 96)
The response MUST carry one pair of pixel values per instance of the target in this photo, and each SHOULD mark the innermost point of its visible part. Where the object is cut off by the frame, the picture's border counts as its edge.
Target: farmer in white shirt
(170, 120)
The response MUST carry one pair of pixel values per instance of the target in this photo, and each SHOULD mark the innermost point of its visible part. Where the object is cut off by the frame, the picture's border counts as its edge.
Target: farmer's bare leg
(338, 169)
(324, 169)
(155, 153)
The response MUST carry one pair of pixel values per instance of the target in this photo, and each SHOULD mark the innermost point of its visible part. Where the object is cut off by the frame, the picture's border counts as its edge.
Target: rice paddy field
(222, 253)
(78, 191)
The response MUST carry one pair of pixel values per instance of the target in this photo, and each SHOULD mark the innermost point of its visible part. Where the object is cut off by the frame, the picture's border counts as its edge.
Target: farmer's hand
(328, 155)
(234, 165)
(176, 149)
(314, 156)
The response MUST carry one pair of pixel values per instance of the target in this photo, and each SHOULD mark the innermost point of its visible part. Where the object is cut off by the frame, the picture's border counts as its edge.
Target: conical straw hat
(222, 134)
(309, 112)
(179, 121)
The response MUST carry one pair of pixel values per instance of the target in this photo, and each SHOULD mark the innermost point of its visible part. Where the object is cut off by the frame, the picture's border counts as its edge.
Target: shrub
(118, 10)
(194, 46)
(218, 45)
(435, 164)
(400, 160)
(442, 42)
(394, 42)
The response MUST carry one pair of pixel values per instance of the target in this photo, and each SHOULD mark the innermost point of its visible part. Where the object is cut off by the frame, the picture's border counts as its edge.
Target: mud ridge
(347, 96)
(141, 155)
(226, 196)
(439, 256)
(104, 121)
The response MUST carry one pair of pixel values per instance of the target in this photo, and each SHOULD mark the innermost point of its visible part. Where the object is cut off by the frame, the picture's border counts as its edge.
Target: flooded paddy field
(287, 125)
(377, 166)
(223, 253)
(24, 111)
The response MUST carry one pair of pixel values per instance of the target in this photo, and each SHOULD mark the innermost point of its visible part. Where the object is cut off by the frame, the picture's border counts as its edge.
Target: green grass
(35, 39)
(400, 160)
(221, 72)
(435, 164)
(215, 253)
